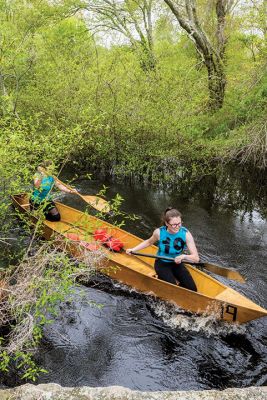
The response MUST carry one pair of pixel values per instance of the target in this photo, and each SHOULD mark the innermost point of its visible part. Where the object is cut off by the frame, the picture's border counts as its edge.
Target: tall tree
(132, 19)
(211, 51)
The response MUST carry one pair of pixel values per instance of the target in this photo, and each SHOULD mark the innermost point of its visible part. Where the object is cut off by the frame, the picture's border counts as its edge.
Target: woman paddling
(172, 239)
(43, 182)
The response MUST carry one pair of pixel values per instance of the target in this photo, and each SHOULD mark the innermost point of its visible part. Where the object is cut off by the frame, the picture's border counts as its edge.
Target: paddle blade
(226, 273)
(97, 202)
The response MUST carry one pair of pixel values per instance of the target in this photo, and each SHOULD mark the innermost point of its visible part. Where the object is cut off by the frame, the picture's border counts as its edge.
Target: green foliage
(25, 363)
(94, 106)
(66, 97)
(37, 286)
(4, 359)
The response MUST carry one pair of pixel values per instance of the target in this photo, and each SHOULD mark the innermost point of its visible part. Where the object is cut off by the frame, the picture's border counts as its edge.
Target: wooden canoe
(211, 297)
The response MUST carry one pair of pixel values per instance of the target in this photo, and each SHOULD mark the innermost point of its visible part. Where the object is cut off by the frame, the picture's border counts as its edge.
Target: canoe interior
(139, 271)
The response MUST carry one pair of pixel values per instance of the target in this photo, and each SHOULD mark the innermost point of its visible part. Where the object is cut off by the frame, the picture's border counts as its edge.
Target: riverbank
(54, 391)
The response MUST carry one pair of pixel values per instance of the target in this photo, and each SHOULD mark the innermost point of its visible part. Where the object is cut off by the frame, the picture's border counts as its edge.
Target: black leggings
(49, 209)
(172, 272)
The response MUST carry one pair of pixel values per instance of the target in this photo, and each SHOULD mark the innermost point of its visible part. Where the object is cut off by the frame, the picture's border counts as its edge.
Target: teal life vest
(171, 244)
(43, 192)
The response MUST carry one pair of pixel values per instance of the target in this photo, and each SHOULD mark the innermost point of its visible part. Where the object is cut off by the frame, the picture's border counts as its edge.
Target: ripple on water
(139, 342)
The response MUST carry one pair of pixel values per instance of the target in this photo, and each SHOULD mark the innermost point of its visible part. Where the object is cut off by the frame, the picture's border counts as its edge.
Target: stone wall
(53, 391)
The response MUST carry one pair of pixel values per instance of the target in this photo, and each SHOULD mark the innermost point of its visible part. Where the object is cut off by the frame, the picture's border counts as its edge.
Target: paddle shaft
(67, 186)
(225, 272)
(162, 257)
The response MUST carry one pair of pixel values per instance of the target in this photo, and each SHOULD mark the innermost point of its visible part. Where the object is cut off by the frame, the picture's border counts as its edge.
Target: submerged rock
(53, 391)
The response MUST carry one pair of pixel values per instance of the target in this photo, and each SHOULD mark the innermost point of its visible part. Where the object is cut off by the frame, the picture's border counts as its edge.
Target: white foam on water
(175, 318)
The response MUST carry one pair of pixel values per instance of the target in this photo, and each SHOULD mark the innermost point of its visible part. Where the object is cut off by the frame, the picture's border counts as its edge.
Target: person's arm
(37, 180)
(59, 185)
(64, 188)
(193, 253)
(146, 243)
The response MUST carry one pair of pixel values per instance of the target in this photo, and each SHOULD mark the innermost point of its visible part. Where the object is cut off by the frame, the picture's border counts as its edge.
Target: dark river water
(135, 341)
(108, 334)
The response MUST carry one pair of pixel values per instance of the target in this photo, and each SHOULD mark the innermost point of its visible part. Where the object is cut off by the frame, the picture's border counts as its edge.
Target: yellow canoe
(138, 272)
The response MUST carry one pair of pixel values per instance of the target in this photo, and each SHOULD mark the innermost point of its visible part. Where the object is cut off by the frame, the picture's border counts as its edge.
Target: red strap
(102, 236)
(73, 236)
(90, 246)
(77, 238)
(110, 242)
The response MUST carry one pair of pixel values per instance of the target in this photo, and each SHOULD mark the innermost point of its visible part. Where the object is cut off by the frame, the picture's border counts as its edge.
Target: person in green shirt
(43, 182)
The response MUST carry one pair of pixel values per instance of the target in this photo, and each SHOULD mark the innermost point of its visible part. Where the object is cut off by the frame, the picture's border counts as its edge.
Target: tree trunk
(216, 82)
(213, 55)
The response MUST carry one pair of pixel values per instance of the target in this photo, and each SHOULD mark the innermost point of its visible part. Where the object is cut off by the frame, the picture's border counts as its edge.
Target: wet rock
(54, 391)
